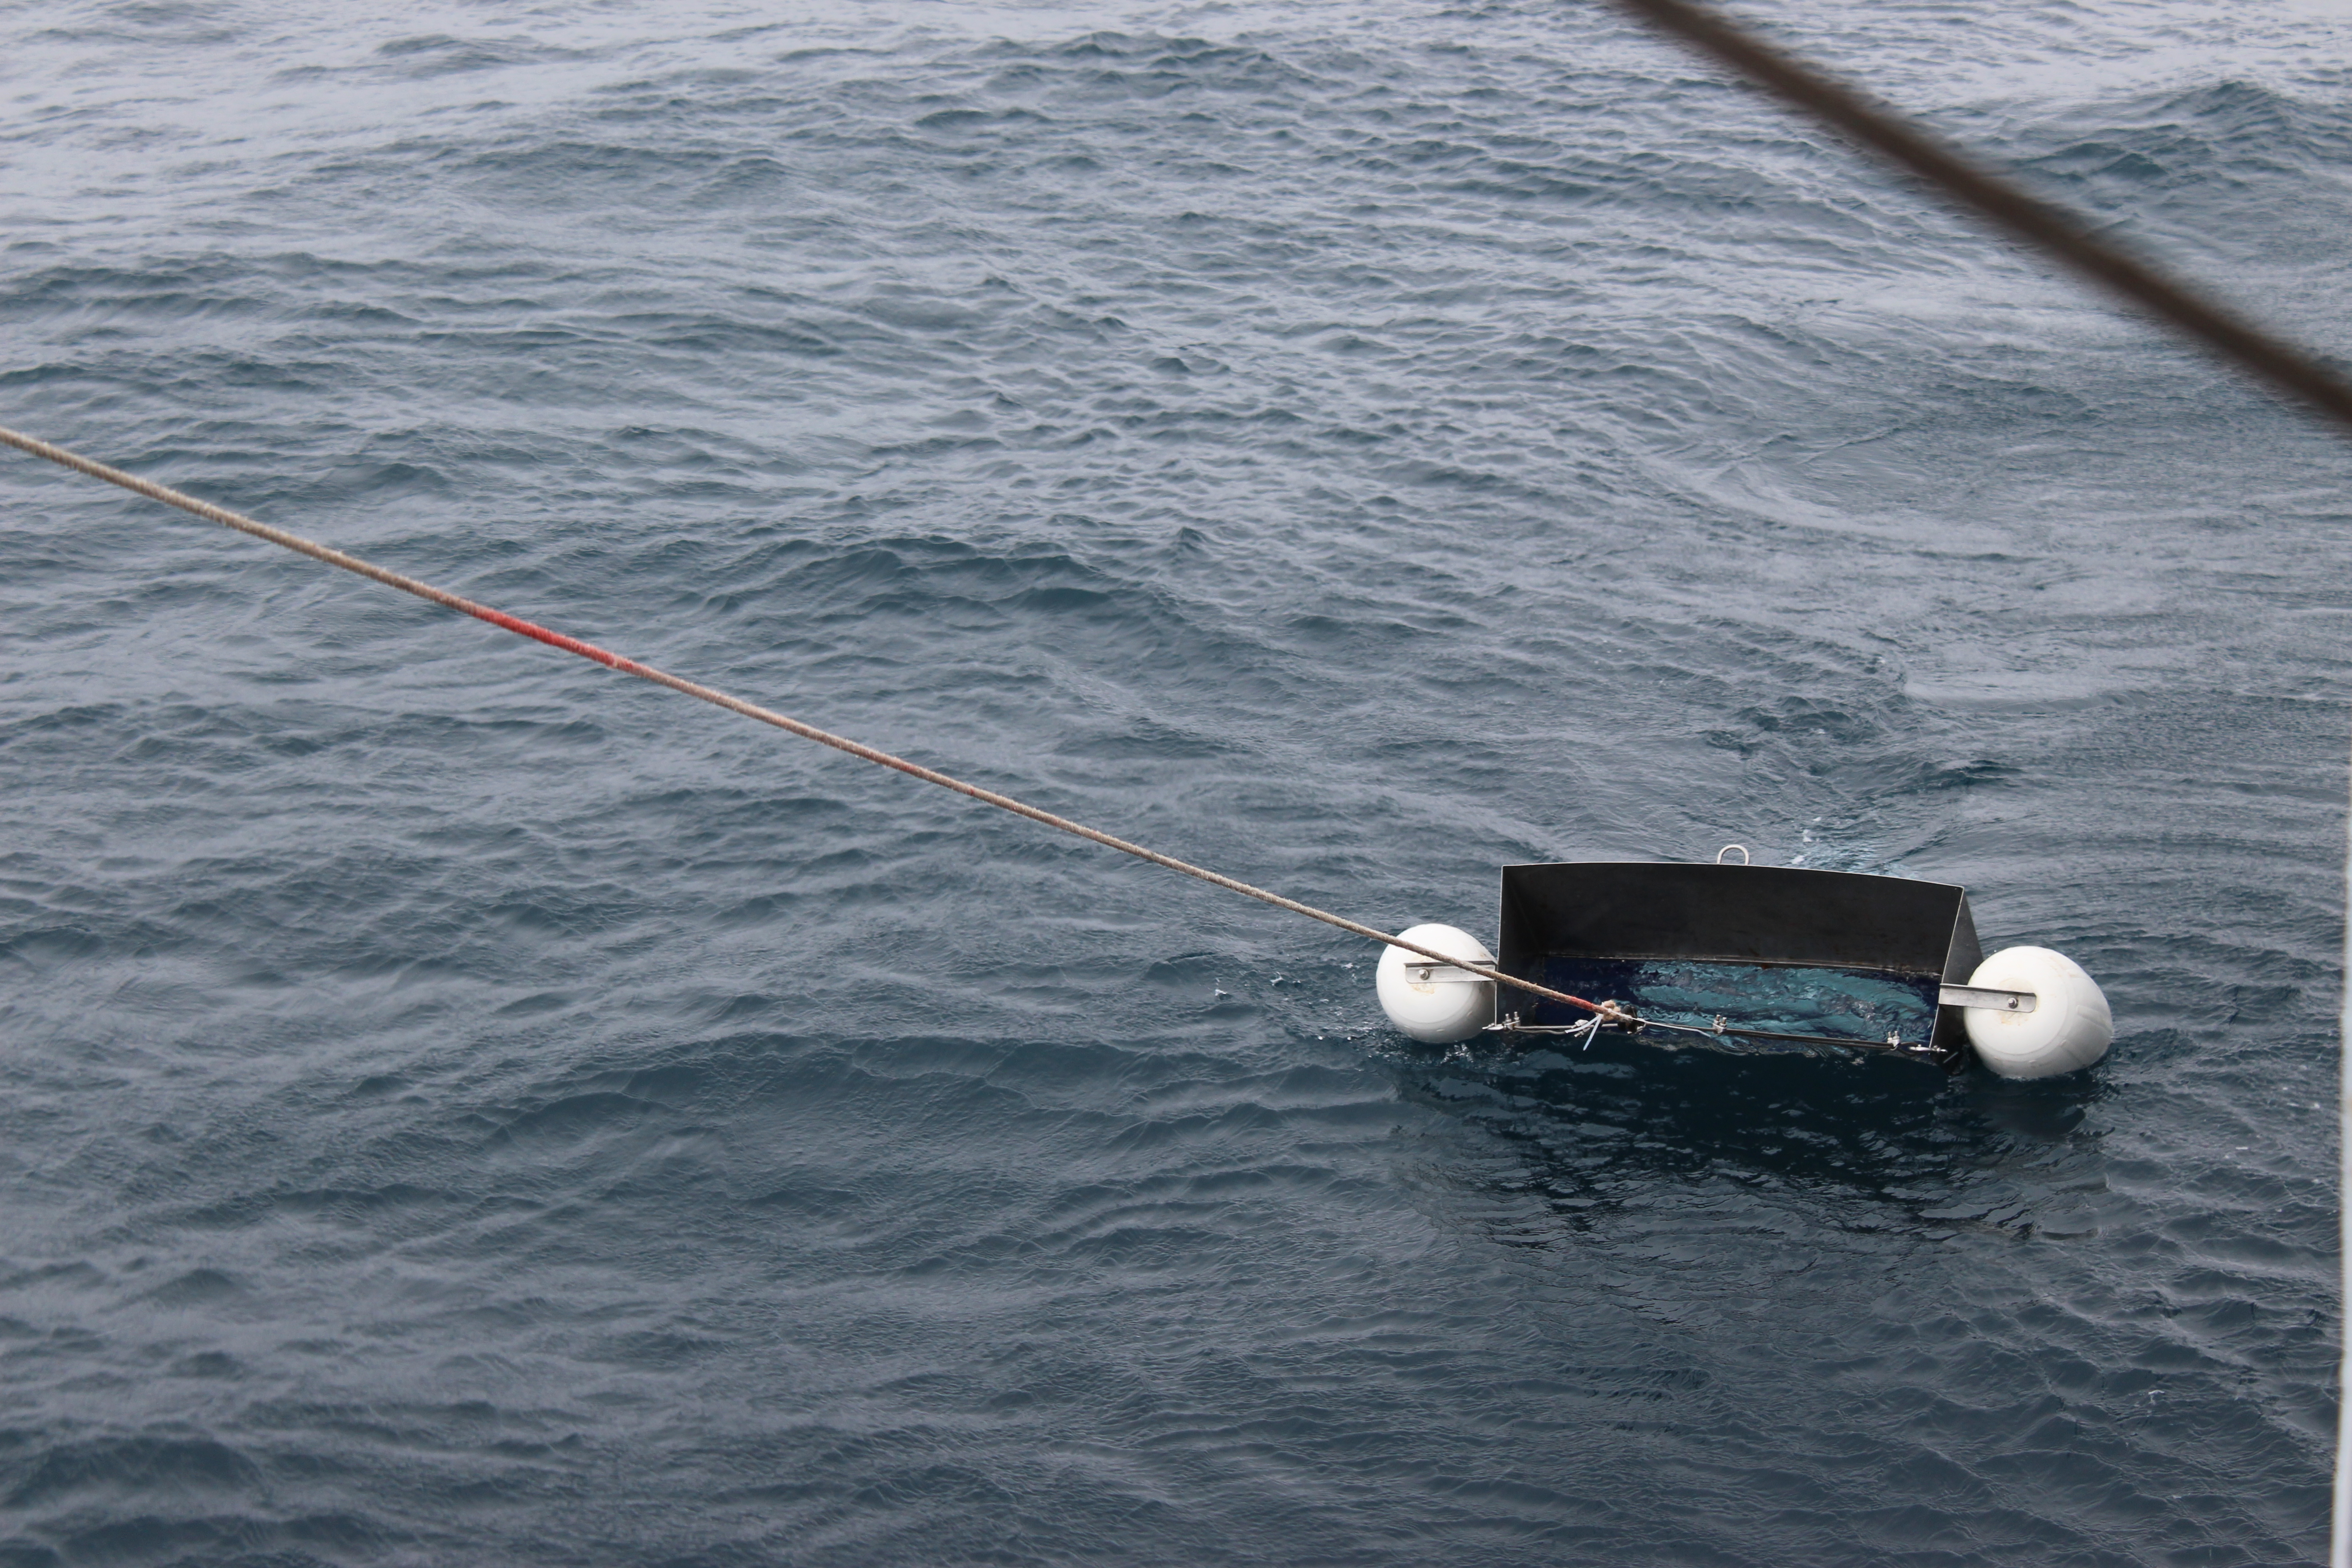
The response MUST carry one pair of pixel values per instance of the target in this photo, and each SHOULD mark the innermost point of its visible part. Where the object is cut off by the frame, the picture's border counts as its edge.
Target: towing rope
(1601, 1011)
(2043, 225)
(2050, 227)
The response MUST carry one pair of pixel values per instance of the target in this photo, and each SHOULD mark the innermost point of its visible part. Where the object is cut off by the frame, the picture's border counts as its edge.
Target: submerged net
(1862, 1005)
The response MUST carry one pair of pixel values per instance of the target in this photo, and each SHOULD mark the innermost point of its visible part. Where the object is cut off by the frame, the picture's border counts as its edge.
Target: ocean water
(461, 1106)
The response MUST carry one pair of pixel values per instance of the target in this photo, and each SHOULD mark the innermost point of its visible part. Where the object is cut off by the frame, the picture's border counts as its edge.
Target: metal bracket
(1986, 997)
(1510, 1025)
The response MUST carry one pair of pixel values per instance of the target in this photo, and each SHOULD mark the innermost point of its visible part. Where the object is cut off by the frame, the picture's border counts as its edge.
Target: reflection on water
(1624, 1117)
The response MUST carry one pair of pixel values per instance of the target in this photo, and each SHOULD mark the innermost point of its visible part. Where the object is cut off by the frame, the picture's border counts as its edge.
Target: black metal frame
(1781, 916)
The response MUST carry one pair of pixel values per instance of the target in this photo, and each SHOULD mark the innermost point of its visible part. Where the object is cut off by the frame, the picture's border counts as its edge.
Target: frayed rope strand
(611, 660)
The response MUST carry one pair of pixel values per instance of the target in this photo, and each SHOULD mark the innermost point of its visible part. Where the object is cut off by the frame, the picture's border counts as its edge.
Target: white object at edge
(1436, 1003)
(2069, 1027)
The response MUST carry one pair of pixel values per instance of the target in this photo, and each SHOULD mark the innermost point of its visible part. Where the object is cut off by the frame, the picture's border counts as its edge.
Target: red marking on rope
(521, 627)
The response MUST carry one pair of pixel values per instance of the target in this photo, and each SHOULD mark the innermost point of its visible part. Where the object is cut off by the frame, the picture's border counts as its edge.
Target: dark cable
(2054, 229)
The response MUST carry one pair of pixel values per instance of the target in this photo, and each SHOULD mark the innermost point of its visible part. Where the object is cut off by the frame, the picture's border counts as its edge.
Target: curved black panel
(1740, 914)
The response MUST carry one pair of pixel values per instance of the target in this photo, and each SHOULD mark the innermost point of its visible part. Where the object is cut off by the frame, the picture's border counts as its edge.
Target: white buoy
(1434, 1002)
(2069, 1027)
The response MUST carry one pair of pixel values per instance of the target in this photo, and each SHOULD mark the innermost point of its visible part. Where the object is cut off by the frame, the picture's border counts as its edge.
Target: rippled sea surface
(461, 1106)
